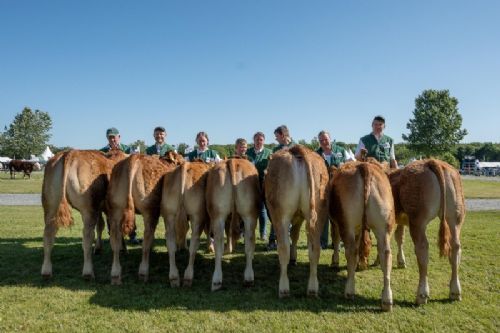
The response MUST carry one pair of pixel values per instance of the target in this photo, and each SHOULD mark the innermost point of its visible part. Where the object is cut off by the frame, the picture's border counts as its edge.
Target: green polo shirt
(378, 149)
(281, 146)
(207, 156)
(260, 160)
(163, 149)
(337, 157)
(124, 148)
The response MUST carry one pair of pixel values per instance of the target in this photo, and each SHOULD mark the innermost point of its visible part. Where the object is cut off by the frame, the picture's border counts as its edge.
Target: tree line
(434, 131)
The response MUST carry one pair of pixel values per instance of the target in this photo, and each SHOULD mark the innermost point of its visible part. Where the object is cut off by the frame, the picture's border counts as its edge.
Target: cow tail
(312, 194)
(128, 218)
(63, 216)
(444, 229)
(365, 242)
(233, 168)
(181, 226)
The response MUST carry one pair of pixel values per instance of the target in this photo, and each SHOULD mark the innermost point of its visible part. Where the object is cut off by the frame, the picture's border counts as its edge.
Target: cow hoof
(292, 262)
(88, 277)
(401, 265)
(313, 293)
(174, 283)
(216, 286)
(421, 299)
(386, 307)
(284, 293)
(46, 276)
(248, 283)
(455, 297)
(349, 297)
(116, 280)
(187, 283)
(143, 277)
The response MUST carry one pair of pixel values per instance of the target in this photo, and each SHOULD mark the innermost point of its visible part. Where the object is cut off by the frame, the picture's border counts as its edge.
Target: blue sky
(232, 68)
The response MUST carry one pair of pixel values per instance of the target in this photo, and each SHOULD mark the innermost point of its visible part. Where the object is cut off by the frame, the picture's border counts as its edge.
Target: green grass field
(70, 304)
(20, 185)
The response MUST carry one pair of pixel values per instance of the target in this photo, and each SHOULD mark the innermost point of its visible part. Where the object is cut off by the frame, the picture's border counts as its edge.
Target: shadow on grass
(22, 259)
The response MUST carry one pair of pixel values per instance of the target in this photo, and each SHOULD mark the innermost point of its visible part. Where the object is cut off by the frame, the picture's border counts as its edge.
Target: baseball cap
(112, 132)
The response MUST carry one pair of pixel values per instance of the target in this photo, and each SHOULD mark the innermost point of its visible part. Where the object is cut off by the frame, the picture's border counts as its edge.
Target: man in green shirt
(282, 135)
(259, 156)
(333, 155)
(160, 147)
(113, 136)
(377, 144)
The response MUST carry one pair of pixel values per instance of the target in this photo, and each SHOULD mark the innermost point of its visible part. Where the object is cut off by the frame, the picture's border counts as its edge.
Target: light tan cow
(78, 179)
(429, 189)
(136, 187)
(233, 188)
(360, 198)
(183, 200)
(296, 190)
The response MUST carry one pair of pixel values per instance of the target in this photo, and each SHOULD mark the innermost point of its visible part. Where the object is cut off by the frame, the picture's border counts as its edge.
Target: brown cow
(135, 187)
(233, 189)
(296, 189)
(183, 199)
(360, 198)
(78, 179)
(429, 189)
(22, 166)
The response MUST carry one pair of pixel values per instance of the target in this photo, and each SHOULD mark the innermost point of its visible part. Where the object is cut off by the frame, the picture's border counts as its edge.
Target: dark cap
(112, 132)
(159, 129)
(379, 118)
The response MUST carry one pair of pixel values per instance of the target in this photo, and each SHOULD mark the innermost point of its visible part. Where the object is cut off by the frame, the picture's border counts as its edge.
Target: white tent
(46, 155)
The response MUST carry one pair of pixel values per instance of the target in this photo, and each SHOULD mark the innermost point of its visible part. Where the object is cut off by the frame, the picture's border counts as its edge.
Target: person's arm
(359, 149)
(393, 163)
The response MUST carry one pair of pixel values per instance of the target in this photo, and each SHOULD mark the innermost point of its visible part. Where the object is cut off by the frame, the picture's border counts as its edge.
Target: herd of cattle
(357, 198)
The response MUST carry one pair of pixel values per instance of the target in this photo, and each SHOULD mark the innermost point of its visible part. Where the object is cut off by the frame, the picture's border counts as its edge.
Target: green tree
(138, 144)
(436, 126)
(181, 148)
(27, 135)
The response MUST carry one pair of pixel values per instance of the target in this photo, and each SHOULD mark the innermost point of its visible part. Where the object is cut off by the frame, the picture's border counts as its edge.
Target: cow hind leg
(313, 244)
(89, 223)
(250, 223)
(49, 235)
(196, 223)
(150, 223)
(351, 254)
(294, 238)
(99, 229)
(455, 256)
(417, 232)
(116, 241)
(385, 257)
(218, 229)
(399, 235)
(281, 229)
(170, 236)
(336, 245)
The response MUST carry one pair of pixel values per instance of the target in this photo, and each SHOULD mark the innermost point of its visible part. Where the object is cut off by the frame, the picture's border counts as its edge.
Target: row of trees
(434, 131)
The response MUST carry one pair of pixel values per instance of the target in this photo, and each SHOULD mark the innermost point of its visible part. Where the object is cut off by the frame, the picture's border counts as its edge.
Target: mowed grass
(20, 185)
(481, 189)
(68, 303)
(474, 189)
